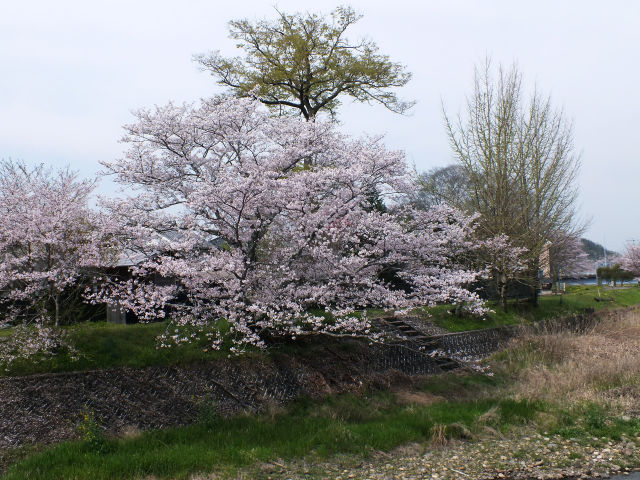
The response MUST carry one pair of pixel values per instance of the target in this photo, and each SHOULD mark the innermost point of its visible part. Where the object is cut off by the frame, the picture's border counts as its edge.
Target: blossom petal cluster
(567, 257)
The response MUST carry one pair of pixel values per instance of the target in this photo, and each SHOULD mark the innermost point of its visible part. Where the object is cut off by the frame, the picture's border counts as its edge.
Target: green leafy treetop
(305, 63)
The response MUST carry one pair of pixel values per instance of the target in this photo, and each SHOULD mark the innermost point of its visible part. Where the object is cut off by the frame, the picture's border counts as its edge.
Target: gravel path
(532, 457)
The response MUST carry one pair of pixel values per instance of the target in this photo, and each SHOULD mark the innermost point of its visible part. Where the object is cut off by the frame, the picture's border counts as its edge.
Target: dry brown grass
(601, 365)
(130, 431)
(439, 435)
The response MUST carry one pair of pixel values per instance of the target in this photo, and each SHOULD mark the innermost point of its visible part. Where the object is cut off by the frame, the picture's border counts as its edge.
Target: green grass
(342, 424)
(461, 386)
(106, 345)
(589, 420)
(577, 300)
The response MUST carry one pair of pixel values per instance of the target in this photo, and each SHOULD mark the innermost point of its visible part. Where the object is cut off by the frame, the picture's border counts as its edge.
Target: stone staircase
(420, 341)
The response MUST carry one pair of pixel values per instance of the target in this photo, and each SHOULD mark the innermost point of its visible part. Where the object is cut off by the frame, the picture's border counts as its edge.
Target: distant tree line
(614, 274)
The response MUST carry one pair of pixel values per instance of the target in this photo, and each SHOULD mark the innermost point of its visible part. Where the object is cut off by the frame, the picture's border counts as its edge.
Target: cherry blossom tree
(49, 242)
(630, 259)
(47, 238)
(503, 261)
(567, 258)
(266, 239)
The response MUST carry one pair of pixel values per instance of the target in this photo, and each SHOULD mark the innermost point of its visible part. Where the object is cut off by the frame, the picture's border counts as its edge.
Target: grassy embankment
(580, 389)
(101, 345)
(576, 300)
(104, 345)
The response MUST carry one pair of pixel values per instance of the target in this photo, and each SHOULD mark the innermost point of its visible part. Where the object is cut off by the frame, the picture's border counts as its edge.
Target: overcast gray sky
(74, 70)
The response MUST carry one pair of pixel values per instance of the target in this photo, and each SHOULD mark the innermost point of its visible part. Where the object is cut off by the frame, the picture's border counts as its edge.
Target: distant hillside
(595, 250)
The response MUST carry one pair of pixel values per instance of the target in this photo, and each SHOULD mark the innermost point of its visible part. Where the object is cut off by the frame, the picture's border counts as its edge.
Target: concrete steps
(420, 340)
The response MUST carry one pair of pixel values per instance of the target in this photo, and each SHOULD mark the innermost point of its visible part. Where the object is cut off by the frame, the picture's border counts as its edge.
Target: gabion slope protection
(47, 408)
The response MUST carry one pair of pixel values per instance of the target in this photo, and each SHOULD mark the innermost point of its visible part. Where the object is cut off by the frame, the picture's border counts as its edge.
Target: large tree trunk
(308, 161)
(534, 280)
(555, 278)
(56, 299)
(503, 291)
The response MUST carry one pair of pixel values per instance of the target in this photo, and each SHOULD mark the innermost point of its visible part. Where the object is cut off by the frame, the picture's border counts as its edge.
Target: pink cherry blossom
(47, 235)
(630, 259)
(49, 240)
(272, 226)
(567, 257)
